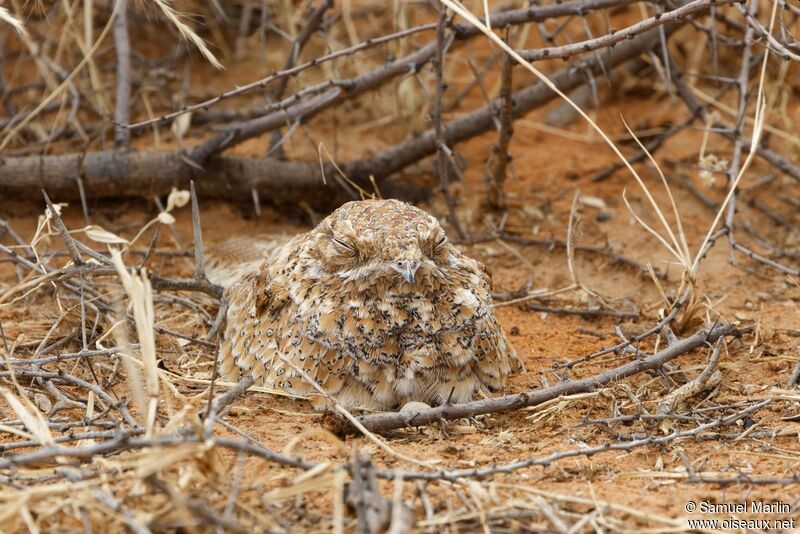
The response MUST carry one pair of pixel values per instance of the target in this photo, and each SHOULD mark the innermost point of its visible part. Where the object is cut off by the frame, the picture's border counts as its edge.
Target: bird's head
(383, 241)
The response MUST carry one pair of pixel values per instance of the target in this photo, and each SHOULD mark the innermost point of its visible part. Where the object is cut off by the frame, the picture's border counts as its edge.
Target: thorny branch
(387, 421)
(441, 147)
(547, 460)
(70, 376)
(500, 158)
(462, 31)
(113, 174)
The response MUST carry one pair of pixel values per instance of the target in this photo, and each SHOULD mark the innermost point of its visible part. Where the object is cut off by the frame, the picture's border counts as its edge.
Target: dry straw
(91, 465)
(14, 22)
(57, 92)
(676, 245)
(140, 292)
(758, 129)
(674, 248)
(187, 32)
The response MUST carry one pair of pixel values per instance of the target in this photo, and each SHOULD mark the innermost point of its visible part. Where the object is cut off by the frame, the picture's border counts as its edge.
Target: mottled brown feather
(341, 303)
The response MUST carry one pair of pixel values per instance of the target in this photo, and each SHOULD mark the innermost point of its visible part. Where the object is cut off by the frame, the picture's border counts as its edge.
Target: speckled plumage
(376, 306)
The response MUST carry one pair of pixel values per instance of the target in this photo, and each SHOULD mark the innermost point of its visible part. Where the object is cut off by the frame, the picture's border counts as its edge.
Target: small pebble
(414, 406)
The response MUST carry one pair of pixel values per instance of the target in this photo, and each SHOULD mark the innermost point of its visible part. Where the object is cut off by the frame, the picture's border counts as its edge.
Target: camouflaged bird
(376, 306)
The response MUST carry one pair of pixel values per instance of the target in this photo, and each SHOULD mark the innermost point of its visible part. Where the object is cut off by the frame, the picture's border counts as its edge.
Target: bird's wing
(255, 314)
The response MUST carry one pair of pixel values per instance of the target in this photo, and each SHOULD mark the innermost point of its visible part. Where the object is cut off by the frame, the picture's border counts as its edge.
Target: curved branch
(462, 31)
(128, 173)
(393, 420)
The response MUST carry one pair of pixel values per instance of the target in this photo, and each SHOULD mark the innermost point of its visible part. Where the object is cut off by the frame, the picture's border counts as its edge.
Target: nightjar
(375, 305)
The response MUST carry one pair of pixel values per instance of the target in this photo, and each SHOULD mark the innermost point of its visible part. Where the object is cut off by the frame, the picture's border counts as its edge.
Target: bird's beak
(407, 269)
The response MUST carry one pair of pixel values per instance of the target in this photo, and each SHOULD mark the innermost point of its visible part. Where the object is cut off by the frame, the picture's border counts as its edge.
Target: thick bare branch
(144, 173)
(388, 421)
(610, 39)
(463, 31)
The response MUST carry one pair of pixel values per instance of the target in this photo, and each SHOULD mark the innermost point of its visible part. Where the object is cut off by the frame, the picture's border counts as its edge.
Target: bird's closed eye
(435, 249)
(343, 244)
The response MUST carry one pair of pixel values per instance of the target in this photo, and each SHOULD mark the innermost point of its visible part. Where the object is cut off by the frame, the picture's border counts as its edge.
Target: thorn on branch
(62, 229)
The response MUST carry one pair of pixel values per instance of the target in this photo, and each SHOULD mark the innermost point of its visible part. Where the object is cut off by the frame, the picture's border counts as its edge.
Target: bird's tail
(228, 262)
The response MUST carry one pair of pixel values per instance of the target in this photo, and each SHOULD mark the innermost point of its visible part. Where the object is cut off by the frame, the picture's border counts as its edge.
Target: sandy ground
(547, 171)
